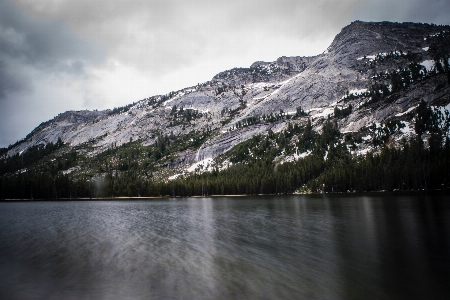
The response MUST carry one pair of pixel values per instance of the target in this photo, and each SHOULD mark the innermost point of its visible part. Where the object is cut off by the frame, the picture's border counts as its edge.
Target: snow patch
(314, 109)
(68, 171)
(176, 97)
(428, 64)
(302, 155)
(327, 111)
(261, 98)
(405, 112)
(408, 129)
(364, 151)
(225, 165)
(174, 176)
(437, 34)
(357, 92)
(443, 109)
(425, 48)
(382, 55)
(369, 57)
(354, 92)
(294, 157)
(203, 166)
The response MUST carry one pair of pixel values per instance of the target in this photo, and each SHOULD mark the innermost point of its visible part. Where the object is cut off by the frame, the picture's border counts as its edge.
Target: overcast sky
(58, 55)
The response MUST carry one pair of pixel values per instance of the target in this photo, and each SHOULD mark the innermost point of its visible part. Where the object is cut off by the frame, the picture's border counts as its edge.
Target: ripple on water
(294, 247)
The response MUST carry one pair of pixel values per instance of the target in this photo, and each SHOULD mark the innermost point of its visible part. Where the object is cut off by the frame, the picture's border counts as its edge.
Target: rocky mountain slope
(372, 75)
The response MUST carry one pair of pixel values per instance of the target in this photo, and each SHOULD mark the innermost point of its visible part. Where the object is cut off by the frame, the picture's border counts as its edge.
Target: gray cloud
(38, 43)
(58, 55)
(36, 51)
(44, 43)
(157, 36)
(429, 11)
(11, 80)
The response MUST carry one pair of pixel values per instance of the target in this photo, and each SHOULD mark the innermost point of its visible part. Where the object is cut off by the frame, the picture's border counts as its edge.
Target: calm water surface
(284, 247)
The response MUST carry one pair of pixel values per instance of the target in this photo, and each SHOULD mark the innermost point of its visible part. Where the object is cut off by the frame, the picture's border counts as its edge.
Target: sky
(59, 55)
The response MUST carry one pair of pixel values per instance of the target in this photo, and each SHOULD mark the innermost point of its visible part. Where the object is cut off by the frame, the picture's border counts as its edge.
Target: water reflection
(294, 247)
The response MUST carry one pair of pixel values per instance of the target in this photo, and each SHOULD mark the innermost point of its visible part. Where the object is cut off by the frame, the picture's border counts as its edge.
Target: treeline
(24, 159)
(34, 185)
(412, 167)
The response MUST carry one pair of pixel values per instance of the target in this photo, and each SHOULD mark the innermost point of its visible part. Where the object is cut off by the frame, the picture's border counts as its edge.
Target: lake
(377, 246)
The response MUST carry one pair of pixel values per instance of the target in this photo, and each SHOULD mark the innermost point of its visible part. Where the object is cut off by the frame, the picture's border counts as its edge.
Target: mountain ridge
(373, 73)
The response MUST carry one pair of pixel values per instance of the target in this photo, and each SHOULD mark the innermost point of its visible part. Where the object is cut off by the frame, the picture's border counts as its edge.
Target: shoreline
(430, 192)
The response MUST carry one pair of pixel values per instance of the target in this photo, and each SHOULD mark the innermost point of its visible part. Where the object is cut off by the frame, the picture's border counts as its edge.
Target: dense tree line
(33, 154)
(410, 168)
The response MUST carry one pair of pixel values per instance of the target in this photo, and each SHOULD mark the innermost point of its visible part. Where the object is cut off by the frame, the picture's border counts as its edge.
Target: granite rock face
(354, 64)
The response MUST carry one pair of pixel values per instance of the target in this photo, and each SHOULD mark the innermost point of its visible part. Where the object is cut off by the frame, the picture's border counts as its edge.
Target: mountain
(372, 84)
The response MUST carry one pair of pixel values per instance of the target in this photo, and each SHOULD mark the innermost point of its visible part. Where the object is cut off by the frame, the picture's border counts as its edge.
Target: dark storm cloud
(160, 35)
(47, 45)
(424, 11)
(11, 80)
(150, 35)
(37, 54)
(157, 36)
